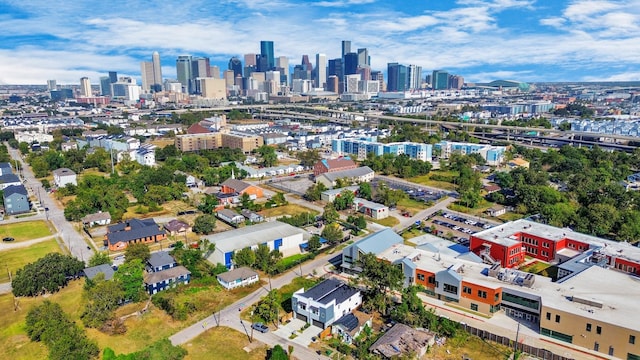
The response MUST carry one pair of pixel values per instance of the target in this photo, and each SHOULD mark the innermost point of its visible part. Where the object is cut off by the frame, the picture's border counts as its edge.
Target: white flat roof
(252, 235)
(616, 290)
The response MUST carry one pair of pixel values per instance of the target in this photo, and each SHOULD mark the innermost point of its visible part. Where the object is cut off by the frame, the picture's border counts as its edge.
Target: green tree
(330, 214)
(381, 278)
(263, 255)
(24, 148)
(308, 158)
(99, 258)
(268, 155)
(268, 308)
(364, 191)
(344, 200)
(103, 298)
(332, 233)
(244, 257)
(138, 251)
(48, 274)
(131, 279)
(208, 204)
(204, 224)
(314, 192)
(314, 243)
(278, 353)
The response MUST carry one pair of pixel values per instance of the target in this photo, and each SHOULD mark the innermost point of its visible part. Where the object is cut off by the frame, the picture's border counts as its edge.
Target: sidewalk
(502, 325)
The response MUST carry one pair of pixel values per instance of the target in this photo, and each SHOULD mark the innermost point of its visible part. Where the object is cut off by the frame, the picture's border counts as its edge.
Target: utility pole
(245, 330)
(515, 345)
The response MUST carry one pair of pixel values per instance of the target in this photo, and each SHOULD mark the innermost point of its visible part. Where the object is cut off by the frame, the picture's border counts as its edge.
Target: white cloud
(341, 3)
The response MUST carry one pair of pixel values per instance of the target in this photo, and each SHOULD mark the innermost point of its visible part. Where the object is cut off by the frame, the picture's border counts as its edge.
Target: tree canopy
(47, 275)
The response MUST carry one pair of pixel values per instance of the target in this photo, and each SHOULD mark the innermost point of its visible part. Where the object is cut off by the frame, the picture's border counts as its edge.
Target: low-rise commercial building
(352, 176)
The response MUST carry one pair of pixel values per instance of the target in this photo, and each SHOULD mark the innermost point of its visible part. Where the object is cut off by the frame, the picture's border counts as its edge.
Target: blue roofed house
(351, 325)
(9, 179)
(374, 243)
(16, 200)
(5, 168)
(325, 303)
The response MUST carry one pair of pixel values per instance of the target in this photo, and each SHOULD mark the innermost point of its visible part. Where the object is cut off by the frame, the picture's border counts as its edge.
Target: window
(474, 307)
(421, 277)
(548, 316)
(545, 244)
(598, 330)
(632, 339)
(496, 297)
(588, 327)
(432, 280)
(557, 318)
(482, 294)
(466, 290)
(450, 289)
(610, 350)
(596, 346)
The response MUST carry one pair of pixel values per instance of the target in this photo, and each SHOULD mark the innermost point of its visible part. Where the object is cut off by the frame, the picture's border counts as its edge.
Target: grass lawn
(472, 347)
(25, 230)
(286, 292)
(411, 233)
(478, 211)
(541, 268)
(388, 221)
(225, 343)
(17, 258)
(510, 216)
(14, 342)
(427, 181)
(412, 206)
(162, 142)
(291, 259)
(290, 209)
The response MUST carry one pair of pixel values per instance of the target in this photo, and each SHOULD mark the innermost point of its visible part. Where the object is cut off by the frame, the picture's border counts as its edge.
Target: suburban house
(332, 165)
(325, 303)
(93, 271)
(252, 216)
(69, 145)
(64, 176)
(496, 210)
(231, 186)
(370, 208)
(5, 168)
(9, 179)
(352, 176)
(351, 325)
(177, 227)
(374, 243)
(120, 235)
(159, 261)
(161, 280)
(16, 200)
(237, 278)
(99, 218)
(190, 180)
(518, 162)
(230, 216)
(275, 234)
(403, 340)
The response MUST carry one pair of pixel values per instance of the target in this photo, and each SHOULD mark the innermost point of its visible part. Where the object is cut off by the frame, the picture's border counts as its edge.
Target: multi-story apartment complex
(509, 243)
(361, 148)
(595, 309)
(213, 140)
(493, 155)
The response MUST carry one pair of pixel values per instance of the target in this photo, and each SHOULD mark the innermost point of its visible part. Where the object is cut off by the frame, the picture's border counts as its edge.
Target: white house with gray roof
(275, 234)
(64, 176)
(374, 243)
(325, 303)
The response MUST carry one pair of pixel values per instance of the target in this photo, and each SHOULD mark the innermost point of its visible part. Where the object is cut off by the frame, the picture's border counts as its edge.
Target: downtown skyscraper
(266, 52)
(151, 72)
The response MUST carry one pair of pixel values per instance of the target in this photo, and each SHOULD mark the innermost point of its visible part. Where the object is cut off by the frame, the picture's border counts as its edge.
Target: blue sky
(482, 40)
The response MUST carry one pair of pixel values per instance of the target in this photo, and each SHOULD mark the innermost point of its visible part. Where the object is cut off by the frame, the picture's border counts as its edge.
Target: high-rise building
(85, 87)
(215, 71)
(157, 72)
(236, 65)
(183, 71)
(332, 84)
(363, 57)
(335, 68)
(414, 77)
(306, 63)
(282, 63)
(346, 47)
(213, 88)
(229, 78)
(364, 72)
(113, 76)
(200, 67)
(396, 77)
(351, 83)
(301, 72)
(456, 82)
(266, 50)
(105, 86)
(321, 70)
(51, 85)
(250, 60)
(379, 77)
(439, 80)
(350, 63)
(146, 72)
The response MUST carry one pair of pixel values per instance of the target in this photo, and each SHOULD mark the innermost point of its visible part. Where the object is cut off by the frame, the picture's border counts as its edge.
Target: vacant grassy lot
(412, 206)
(411, 233)
(389, 221)
(291, 260)
(162, 142)
(23, 231)
(17, 258)
(467, 346)
(223, 343)
(290, 209)
(477, 211)
(427, 180)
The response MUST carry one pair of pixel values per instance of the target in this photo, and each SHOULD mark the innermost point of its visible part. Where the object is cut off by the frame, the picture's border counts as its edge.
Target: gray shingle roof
(236, 185)
(9, 178)
(174, 272)
(139, 229)
(237, 274)
(351, 173)
(63, 172)
(329, 290)
(160, 258)
(92, 272)
(15, 189)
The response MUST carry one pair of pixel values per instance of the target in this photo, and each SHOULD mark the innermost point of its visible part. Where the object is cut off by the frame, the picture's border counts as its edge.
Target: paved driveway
(294, 326)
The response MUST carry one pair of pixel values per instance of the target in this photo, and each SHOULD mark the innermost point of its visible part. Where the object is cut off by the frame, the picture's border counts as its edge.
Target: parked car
(8, 239)
(260, 327)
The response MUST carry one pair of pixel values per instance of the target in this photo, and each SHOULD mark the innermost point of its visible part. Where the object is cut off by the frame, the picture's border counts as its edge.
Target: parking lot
(416, 192)
(292, 184)
(461, 227)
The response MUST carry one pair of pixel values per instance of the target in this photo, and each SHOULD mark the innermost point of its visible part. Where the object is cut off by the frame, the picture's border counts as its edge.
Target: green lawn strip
(17, 258)
(23, 231)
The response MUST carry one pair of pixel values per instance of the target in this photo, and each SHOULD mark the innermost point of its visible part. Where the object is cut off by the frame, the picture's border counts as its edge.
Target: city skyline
(527, 40)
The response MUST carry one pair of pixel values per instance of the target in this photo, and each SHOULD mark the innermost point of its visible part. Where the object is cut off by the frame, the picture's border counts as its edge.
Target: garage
(301, 317)
(318, 324)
